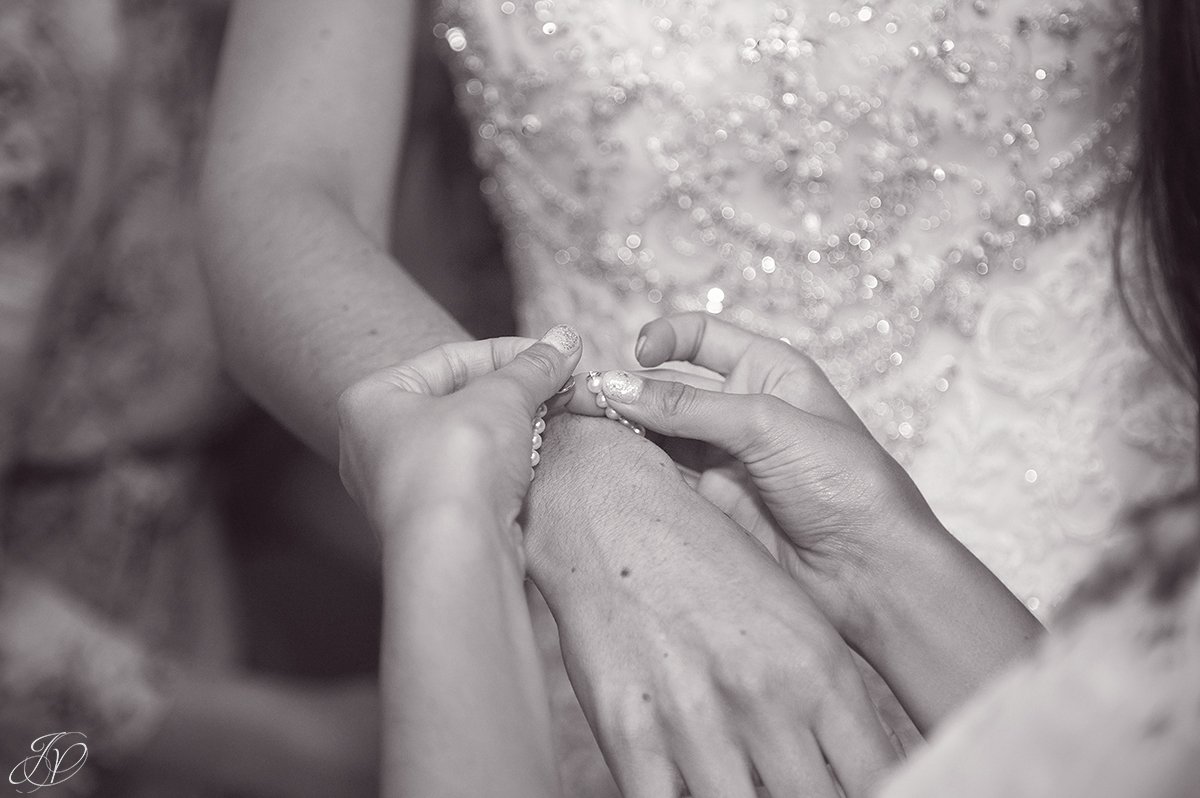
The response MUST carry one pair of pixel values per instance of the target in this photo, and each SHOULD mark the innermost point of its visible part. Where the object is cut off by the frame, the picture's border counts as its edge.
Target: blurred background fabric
(141, 488)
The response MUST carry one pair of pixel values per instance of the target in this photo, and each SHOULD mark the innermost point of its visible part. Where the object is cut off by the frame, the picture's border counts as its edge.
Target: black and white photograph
(600, 398)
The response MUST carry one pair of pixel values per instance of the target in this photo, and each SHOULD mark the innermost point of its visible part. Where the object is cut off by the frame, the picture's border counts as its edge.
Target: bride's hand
(696, 658)
(837, 496)
(453, 426)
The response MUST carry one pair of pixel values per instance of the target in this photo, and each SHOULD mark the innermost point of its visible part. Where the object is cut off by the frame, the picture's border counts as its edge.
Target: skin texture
(747, 663)
(456, 722)
(839, 513)
(308, 115)
(465, 465)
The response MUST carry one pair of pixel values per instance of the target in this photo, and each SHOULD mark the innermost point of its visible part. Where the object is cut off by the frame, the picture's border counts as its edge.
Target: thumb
(744, 425)
(539, 371)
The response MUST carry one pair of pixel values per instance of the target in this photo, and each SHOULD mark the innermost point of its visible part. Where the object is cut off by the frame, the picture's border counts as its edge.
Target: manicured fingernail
(563, 338)
(568, 386)
(621, 386)
(639, 346)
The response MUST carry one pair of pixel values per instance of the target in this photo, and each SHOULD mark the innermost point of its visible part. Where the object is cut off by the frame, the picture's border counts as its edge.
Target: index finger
(446, 368)
(720, 346)
(583, 402)
(699, 338)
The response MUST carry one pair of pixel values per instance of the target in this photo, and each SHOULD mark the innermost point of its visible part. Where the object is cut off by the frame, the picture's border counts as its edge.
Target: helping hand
(454, 425)
(833, 491)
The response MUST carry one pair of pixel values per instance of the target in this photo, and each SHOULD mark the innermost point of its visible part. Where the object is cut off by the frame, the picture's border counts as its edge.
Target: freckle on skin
(743, 631)
(373, 331)
(624, 572)
(645, 696)
(572, 569)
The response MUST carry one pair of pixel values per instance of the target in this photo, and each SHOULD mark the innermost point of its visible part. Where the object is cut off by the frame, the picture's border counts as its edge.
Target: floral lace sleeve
(62, 669)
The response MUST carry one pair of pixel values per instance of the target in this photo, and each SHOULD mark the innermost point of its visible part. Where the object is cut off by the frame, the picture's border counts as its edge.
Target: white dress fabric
(1108, 707)
(920, 195)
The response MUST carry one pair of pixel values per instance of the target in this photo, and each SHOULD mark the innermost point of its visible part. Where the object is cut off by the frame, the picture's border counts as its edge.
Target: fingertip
(656, 342)
(567, 344)
(565, 339)
(621, 386)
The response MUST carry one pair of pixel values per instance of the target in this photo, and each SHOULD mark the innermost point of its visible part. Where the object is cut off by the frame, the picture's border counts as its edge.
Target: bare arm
(308, 116)
(465, 709)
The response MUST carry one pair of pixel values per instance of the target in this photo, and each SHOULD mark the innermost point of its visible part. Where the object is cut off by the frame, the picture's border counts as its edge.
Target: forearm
(465, 705)
(295, 202)
(934, 621)
(306, 303)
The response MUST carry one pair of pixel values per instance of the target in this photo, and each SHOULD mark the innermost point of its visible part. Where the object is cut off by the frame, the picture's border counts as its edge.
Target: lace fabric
(915, 193)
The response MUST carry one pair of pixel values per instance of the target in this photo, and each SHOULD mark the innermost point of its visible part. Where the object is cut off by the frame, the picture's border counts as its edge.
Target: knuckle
(455, 366)
(460, 448)
(464, 432)
(747, 679)
(541, 361)
(354, 399)
(763, 416)
(690, 708)
(404, 377)
(676, 399)
(828, 668)
(631, 723)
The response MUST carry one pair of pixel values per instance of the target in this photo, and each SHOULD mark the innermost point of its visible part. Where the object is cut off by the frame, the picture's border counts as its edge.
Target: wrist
(459, 534)
(932, 619)
(578, 512)
(884, 559)
(889, 580)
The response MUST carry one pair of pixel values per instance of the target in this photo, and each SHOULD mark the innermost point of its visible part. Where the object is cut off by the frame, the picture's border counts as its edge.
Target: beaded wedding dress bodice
(917, 194)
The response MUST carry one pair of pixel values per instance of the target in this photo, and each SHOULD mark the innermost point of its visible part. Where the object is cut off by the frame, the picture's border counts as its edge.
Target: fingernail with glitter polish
(621, 386)
(563, 338)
